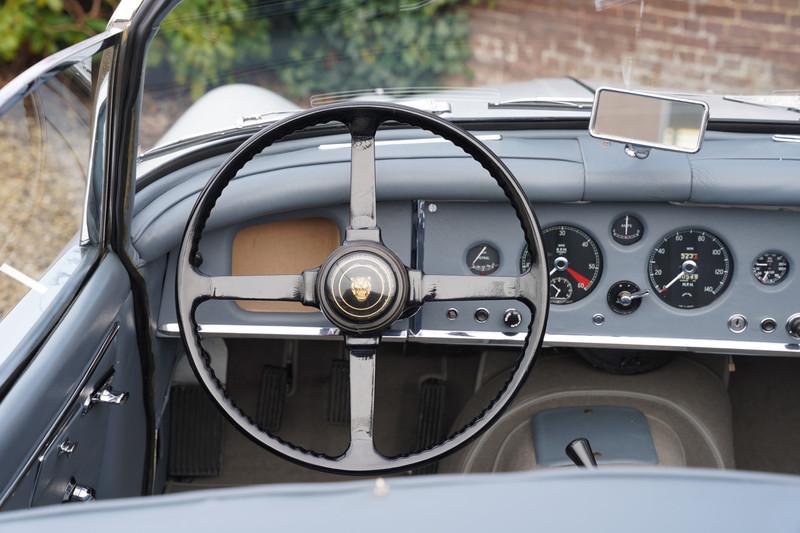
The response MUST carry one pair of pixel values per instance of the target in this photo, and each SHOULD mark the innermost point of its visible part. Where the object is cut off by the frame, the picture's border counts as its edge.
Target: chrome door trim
(64, 413)
(501, 339)
(35, 76)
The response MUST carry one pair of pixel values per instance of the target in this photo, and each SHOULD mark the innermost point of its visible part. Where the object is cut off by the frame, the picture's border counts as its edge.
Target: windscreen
(289, 55)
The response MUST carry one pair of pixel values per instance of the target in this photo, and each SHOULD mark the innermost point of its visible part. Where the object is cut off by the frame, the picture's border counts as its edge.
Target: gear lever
(580, 452)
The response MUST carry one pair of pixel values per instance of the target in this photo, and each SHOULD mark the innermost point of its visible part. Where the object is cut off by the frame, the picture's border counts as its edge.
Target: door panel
(95, 339)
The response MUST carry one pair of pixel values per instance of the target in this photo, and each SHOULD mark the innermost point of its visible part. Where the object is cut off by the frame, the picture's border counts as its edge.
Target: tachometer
(770, 268)
(574, 260)
(690, 268)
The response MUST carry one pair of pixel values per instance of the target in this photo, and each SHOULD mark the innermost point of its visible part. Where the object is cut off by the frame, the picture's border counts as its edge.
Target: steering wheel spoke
(362, 400)
(289, 287)
(431, 287)
(363, 223)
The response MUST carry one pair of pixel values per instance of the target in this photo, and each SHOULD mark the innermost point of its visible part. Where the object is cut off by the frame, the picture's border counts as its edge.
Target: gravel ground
(42, 169)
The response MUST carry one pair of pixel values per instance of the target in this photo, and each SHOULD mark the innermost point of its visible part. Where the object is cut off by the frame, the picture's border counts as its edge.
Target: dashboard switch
(768, 325)
(512, 318)
(481, 315)
(793, 325)
(625, 297)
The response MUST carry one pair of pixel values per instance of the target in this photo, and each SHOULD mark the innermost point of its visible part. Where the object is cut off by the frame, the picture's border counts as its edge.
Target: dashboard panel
(745, 310)
(736, 305)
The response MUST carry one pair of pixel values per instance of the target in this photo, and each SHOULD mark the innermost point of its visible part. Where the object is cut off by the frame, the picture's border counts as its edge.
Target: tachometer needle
(579, 278)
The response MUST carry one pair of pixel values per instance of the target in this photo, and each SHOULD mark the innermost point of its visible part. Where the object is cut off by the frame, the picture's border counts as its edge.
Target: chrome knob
(512, 318)
(793, 325)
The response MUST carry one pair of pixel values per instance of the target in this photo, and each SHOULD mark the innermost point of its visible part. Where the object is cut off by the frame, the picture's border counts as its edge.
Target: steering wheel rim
(364, 249)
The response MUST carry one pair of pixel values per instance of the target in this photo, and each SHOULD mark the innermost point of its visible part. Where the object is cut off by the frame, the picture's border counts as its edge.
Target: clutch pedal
(195, 442)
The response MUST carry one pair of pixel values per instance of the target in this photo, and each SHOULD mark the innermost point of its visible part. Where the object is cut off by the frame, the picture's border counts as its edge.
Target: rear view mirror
(643, 119)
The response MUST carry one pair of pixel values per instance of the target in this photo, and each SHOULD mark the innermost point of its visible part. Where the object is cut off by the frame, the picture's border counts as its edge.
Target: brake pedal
(272, 397)
(339, 396)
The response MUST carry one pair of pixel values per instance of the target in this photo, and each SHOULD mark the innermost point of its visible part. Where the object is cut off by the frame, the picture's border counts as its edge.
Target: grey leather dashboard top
(552, 166)
(567, 500)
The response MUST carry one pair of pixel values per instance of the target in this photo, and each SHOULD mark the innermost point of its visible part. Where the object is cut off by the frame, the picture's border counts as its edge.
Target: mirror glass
(648, 120)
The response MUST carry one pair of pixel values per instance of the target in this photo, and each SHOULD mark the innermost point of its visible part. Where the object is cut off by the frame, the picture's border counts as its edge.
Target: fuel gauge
(483, 259)
(770, 268)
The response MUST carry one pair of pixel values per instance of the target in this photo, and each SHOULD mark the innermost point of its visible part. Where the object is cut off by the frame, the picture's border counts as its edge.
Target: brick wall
(720, 45)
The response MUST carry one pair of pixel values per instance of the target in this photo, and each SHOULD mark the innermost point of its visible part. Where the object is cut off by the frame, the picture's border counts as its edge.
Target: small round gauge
(627, 229)
(690, 268)
(770, 268)
(483, 259)
(574, 261)
(525, 261)
(560, 290)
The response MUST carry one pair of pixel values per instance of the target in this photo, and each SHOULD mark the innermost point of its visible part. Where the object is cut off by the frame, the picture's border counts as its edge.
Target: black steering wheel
(362, 287)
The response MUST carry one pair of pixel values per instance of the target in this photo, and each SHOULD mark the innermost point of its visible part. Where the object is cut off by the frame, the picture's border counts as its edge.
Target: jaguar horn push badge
(361, 286)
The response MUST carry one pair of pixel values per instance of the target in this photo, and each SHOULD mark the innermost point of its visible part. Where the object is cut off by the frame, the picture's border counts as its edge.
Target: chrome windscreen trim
(498, 338)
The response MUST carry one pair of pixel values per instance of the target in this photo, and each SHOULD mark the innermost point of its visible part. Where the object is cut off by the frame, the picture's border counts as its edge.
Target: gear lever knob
(580, 452)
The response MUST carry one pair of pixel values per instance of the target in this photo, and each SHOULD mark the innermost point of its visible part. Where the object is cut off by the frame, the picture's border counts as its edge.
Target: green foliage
(31, 29)
(203, 39)
(374, 43)
(306, 47)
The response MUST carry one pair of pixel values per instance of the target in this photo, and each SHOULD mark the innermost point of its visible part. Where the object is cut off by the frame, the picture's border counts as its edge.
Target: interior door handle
(105, 395)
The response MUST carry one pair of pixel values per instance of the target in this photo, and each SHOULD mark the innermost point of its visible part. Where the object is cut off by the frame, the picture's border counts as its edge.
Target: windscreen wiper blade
(763, 103)
(544, 102)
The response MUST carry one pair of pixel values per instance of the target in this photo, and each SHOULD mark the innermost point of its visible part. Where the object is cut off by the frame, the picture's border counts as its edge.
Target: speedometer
(690, 268)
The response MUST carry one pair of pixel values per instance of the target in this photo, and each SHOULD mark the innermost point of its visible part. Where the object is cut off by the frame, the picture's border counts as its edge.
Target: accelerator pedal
(272, 397)
(339, 396)
(195, 444)
(430, 418)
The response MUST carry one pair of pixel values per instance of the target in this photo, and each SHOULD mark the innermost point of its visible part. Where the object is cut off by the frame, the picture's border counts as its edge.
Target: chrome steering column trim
(500, 339)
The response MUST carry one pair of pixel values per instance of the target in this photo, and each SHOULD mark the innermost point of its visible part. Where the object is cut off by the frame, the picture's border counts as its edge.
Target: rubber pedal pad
(430, 418)
(272, 397)
(339, 393)
(195, 439)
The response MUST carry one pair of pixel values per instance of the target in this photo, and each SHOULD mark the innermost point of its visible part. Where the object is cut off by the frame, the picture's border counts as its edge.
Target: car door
(73, 413)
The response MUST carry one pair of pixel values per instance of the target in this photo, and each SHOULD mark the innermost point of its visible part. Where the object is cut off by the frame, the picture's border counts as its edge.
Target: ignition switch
(625, 297)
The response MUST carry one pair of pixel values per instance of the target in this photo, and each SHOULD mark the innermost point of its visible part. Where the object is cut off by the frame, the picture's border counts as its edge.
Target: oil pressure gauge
(770, 268)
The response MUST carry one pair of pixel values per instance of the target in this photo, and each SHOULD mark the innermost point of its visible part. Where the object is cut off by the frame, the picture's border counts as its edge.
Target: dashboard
(692, 252)
(625, 275)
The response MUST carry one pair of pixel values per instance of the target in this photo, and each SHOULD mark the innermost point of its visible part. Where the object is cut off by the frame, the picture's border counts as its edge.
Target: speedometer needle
(688, 267)
(579, 278)
(666, 287)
